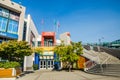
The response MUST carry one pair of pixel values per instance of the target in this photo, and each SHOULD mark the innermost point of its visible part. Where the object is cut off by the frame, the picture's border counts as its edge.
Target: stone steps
(110, 69)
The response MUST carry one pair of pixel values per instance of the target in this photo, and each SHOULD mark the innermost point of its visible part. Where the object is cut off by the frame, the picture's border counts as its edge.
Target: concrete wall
(28, 63)
(31, 28)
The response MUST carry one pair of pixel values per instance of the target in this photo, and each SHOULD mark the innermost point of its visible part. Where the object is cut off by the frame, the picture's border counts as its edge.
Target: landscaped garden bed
(9, 69)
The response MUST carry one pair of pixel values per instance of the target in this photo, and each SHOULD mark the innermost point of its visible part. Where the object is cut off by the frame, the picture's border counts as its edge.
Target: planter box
(10, 72)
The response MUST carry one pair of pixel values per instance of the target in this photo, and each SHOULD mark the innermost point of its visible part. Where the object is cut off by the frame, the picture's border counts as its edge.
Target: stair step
(109, 69)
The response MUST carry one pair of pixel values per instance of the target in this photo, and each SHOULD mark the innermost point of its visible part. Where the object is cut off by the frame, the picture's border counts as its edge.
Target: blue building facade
(9, 22)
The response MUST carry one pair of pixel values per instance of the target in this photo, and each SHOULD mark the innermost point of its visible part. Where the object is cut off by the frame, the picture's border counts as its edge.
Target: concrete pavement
(63, 75)
(7, 78)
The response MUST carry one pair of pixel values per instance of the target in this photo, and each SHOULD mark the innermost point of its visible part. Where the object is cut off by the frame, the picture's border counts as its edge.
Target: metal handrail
(90, 61)
(105, 61)
(92, 64)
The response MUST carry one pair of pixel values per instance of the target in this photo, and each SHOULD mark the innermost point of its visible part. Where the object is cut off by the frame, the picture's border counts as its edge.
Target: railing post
(101, 67)
(105, 61)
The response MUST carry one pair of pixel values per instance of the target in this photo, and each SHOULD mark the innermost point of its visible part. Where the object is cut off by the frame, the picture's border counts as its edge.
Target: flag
(55, 22)
(58, 24)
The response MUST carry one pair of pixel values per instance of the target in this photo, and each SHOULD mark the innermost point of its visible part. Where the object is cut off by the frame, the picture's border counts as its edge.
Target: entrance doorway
(46, 64)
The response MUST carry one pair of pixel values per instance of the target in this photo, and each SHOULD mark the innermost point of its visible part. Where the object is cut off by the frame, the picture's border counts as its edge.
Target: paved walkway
(63, 75)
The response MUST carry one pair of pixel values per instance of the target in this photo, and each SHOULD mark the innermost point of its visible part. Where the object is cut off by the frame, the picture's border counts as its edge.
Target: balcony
(47, 48)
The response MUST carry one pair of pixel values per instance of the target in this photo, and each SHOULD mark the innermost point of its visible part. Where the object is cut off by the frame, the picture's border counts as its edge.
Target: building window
(39, 43)
(24, 31)
(14, 16)
(33, 44)
(13, 27)
(9, 21)
(0, 11)
(4, 12)
(32, 39)
(48, 42)
(3, 24)
(45, 43)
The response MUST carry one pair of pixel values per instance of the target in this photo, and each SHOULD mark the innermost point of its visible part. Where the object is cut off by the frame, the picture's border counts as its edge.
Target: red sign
(48, 33)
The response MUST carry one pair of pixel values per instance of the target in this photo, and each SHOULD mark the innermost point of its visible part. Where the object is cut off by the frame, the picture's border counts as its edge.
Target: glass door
(43, 64)
(50, 64)
(47, 63)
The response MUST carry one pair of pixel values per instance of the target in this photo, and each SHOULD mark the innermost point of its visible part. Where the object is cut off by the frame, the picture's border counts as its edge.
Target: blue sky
(86, 20)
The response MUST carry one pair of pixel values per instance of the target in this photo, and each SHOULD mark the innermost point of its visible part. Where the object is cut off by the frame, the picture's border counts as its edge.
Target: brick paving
(63, 75)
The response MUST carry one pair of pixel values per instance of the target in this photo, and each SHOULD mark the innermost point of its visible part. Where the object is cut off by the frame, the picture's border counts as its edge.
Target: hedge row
(9, 65)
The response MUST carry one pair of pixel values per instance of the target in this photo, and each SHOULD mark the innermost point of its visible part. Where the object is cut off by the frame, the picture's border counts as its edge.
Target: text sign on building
(15, 36)
(48, 33)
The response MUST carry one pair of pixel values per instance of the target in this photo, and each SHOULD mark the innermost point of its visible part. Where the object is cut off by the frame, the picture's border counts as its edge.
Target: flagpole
(42, 23)
(58, 25)
(57, 32)
(54, 26)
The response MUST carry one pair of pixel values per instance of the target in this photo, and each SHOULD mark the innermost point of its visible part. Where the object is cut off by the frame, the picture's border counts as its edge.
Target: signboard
(48, 33)
(48, 53)
(15, 36)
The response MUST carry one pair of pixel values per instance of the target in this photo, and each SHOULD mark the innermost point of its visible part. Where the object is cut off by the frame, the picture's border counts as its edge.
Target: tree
(38, 50)
(69, 53)
(14, 50)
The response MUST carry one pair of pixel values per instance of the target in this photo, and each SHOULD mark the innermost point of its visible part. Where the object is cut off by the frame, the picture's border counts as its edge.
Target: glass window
(10, 26)
(33, 44)
(4, 12)
(48, 42)
(3, 24)
(1, 11)
(39, 43)
(14, 16)
(41, 63)
(24, 31)
(51, 62)
(13, 27)
(48, 62)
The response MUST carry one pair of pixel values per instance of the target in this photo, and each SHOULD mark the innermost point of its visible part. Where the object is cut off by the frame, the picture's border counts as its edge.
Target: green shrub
(35, 66)
(9, 65)
(1, 65)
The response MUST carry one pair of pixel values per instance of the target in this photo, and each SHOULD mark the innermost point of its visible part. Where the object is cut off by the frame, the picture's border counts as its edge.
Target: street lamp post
(100, 41)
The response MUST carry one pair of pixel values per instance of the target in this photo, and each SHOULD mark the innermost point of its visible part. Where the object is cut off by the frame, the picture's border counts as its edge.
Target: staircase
(109, 70)
(100, 57)
(113, 52)
(102, 62)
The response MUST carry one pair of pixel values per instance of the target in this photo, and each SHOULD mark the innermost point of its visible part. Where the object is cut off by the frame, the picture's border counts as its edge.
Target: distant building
(46, 41)
(58, 42)
(114, 44)
(65, 38)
